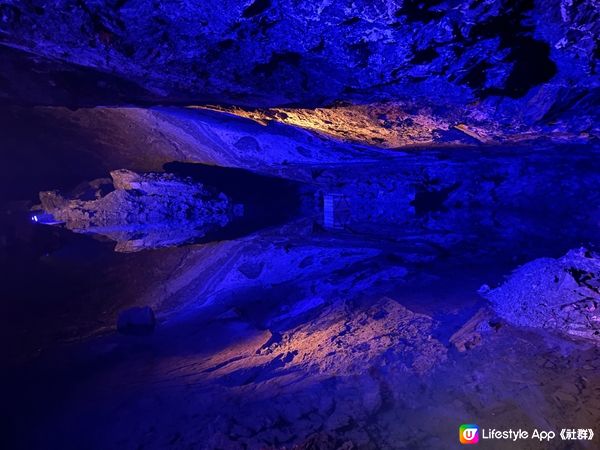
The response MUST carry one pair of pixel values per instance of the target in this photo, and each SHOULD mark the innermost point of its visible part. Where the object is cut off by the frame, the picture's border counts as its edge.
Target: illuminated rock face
(391, 155)
(142, 211)
(507, 64)
(562, 295)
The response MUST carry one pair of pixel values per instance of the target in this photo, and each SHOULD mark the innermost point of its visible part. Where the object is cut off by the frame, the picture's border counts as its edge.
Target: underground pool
(316, 225)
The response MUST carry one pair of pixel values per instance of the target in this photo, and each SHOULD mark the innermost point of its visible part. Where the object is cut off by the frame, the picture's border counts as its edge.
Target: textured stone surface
(142, 210)
(343, 341)
(562, 295)
(447, 196)
(206, 382)
(295, 335)
(512, 64)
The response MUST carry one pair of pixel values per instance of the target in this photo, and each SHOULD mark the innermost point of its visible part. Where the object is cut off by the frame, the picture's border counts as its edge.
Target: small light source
(44, 218)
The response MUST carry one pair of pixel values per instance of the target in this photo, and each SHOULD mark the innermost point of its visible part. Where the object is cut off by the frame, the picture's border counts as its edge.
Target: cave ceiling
(384, 73)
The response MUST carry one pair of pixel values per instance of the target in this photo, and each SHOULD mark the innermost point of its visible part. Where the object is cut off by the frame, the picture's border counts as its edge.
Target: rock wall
(494, 63)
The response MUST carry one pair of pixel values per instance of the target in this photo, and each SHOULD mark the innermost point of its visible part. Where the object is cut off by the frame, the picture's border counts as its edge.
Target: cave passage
(299, 225)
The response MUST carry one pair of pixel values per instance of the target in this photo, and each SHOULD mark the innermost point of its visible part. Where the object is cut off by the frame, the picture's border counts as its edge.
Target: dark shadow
(268, 201)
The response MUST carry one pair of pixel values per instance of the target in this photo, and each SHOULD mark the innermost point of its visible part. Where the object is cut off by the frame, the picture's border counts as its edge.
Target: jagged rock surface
(343, 341)
(142, 210)
(561, 295)
(500, 66)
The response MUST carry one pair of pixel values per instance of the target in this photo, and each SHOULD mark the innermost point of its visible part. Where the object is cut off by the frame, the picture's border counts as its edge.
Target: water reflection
(438, 204)
(154, 210)
(296, 328)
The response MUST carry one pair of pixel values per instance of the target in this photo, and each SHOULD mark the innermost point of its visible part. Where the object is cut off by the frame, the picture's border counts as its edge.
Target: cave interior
(282, 224)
